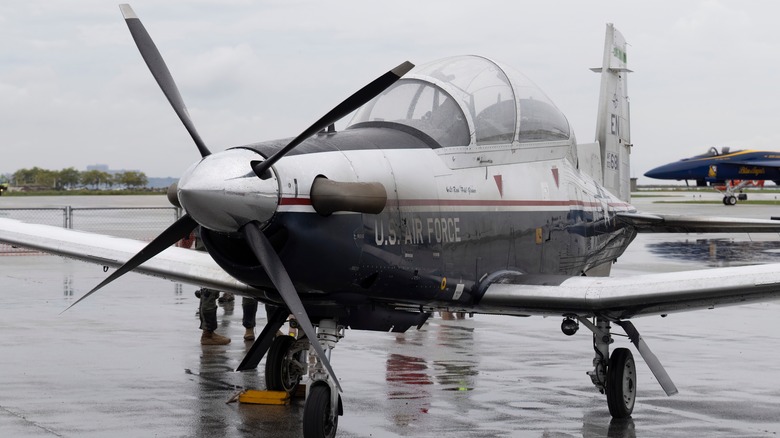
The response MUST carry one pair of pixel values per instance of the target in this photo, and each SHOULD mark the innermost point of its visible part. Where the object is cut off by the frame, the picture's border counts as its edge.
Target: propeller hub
(222, 193)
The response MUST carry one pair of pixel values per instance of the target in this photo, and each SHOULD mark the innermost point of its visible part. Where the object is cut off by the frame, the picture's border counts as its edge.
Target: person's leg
(208, 318)
(249, 306)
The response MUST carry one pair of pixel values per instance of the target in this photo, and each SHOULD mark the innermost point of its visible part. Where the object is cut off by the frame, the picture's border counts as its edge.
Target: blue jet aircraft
(735, 170)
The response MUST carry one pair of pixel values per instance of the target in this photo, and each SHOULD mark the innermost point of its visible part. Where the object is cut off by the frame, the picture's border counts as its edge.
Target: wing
(658, 223)
(178, 264)
(627, 297)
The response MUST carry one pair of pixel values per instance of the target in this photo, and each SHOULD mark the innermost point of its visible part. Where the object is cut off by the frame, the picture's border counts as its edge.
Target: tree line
(70, 178)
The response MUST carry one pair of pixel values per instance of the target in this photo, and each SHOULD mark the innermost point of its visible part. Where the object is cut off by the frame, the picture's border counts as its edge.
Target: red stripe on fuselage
(473, 203)
(295, 201)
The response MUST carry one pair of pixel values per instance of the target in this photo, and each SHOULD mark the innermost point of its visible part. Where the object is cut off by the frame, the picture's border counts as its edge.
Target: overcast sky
(74, 91)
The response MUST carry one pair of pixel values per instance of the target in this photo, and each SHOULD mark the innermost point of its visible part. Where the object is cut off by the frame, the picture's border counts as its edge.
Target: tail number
(612, 161)
(614, 127)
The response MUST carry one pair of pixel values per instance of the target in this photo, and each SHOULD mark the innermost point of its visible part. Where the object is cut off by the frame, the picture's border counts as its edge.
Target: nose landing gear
(323, 402)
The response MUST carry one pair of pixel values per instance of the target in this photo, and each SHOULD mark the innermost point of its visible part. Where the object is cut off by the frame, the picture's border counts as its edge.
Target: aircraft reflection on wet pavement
(716, 252)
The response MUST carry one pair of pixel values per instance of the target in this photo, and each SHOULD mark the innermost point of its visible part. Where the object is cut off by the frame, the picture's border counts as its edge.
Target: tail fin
(613, 129)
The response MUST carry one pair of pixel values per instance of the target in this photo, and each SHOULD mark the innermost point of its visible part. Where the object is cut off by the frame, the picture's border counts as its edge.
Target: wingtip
(127, 11)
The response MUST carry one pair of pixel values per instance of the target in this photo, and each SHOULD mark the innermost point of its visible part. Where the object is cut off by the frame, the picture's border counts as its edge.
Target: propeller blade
(178, 230)
(278, 274)
(255, 354)
(161, 74)
(352, 103)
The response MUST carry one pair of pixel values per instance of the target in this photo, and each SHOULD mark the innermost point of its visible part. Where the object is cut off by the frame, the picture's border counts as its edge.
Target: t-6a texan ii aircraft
(457, 186)
(727, 170)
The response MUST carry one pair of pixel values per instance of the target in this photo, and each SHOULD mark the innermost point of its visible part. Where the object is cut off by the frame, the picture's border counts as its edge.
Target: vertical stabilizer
(613, 129)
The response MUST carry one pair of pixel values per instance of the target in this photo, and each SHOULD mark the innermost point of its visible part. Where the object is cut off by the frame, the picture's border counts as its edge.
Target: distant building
(104, 168)
(100, 167)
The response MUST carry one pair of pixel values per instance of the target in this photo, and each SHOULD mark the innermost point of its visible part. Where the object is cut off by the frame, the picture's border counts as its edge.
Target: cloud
(74, 89)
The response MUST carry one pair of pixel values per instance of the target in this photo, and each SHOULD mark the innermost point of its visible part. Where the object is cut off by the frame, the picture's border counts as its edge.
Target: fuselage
(454, 217)
(480, 178)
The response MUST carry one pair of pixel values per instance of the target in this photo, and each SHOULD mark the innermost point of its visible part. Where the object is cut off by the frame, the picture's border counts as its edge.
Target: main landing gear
(290, 359)
(615, 374)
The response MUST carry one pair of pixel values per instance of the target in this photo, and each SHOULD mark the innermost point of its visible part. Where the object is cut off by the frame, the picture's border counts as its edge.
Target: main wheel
(283, 368)
(731, 200)
(316, 414)
(621, 383)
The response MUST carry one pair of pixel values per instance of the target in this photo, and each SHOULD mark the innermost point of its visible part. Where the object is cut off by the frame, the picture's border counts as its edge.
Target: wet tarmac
(128, 363)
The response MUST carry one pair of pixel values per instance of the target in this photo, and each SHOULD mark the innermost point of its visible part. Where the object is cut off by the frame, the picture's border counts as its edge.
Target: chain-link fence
(140, 223)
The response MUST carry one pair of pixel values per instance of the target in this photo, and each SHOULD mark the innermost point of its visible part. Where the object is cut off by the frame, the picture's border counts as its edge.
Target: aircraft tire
(280, 374)
(731, 200)
(621, 383)
(316, 414)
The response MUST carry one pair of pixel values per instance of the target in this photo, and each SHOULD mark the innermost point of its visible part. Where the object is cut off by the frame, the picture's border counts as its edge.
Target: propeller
(161, 74)
(177, 231)
(281, 280)
(333, 195)
(353, 102)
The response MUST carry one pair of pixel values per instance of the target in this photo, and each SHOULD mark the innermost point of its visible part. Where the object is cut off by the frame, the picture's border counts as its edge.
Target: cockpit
(712, 152)
(466, 101)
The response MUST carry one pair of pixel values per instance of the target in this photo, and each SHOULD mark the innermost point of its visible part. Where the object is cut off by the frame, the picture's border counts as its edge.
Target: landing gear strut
(323, 402)
(613, 375)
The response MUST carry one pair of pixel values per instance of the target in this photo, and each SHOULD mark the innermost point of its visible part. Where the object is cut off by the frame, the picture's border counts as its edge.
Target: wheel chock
(253, 396)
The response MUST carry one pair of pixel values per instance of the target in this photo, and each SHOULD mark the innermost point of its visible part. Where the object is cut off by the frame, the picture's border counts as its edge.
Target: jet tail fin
(613, 129)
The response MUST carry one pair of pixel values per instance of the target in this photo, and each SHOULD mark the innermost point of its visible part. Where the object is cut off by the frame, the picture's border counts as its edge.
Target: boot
(210, 338)
(249, 335)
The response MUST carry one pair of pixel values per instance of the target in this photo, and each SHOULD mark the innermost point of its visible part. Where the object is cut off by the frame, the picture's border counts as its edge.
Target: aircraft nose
(661, 172)
(222, 193)
(653, 173)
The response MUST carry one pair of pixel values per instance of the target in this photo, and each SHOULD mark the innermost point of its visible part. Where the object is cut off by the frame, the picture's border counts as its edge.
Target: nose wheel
(318, 418)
